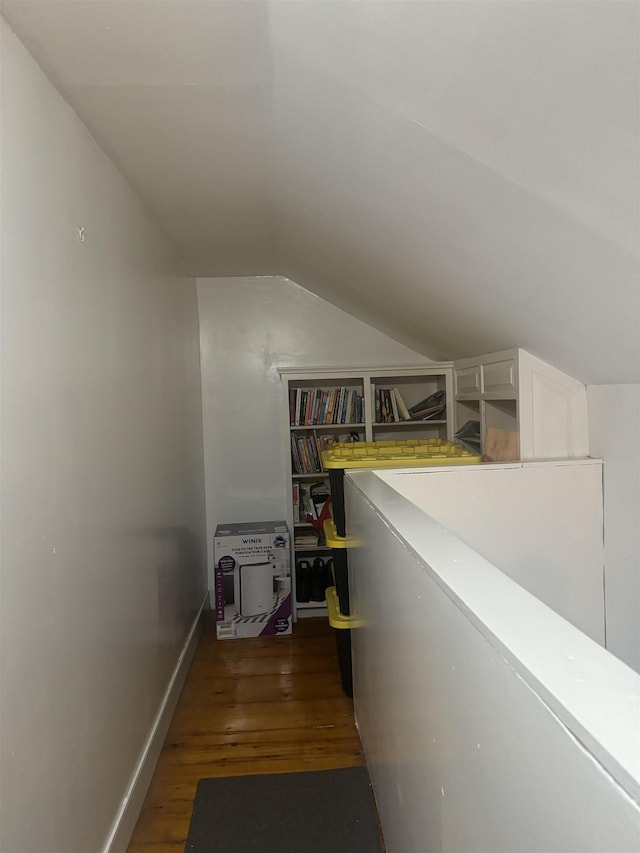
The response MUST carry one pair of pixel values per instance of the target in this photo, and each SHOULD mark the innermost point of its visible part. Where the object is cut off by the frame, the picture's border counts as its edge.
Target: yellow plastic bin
(413, 453)
(339, 546)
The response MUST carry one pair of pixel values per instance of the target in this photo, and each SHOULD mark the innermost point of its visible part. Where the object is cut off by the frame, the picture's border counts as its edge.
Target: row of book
(317, 406)
(309, 500)
(306, 538)
(390, 407)
(306, 450)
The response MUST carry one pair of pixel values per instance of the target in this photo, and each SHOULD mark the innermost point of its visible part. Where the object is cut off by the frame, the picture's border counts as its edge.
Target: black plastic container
(343, 635)
(341, 578)
(343, 647)
(336, 481)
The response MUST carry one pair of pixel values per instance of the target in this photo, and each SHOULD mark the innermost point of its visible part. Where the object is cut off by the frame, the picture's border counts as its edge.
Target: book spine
(327, 407)
(315, 452)
(330, 407)
(296, 502)
(308, 464)
(309, 407)
(402, 407)
(292, 406)
(310, 454)
(296, 419)
(308, 447)
(303, 458)
(307, 402)
(295, 456)
(394, 406)
(321, 405)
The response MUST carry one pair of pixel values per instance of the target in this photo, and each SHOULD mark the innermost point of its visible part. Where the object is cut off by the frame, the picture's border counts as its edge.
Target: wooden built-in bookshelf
(347, 397)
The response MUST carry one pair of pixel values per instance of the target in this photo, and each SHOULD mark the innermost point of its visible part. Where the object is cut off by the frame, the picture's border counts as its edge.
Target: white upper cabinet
(513, 390)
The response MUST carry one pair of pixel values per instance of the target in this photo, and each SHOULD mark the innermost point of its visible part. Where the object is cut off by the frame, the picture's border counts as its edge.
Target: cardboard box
(252, 591)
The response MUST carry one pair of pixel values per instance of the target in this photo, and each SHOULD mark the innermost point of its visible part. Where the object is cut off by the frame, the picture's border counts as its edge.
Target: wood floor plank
(206, 740)
(241, 753)
(249, 706)
(257, 689)
(214, 768)
(266, 665)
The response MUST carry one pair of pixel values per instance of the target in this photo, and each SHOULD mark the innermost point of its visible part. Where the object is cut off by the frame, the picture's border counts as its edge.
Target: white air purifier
(254, 588)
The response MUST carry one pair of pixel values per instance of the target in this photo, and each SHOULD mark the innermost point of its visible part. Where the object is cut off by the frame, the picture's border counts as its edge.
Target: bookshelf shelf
(332, 427)
(303, 549)
(414, 424)
(319, 475)
(315, 394)
(310, 609)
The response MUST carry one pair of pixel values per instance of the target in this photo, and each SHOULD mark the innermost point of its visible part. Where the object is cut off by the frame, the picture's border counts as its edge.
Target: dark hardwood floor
(249, 706)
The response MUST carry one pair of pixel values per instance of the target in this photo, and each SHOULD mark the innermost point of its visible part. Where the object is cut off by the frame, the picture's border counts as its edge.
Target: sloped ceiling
(461, 175)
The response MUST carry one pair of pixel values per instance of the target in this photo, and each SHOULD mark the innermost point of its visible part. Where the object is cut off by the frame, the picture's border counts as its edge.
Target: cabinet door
(468, 380)
(498, 377)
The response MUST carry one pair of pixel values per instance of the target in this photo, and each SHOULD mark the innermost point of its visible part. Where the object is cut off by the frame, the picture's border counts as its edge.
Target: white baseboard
(131, 805)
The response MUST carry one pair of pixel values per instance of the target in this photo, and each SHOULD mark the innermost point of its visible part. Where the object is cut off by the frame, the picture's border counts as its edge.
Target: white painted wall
(440, 174)
(461, 175)
(178, 94)
(539, 523)
(248, 328)
(614, 435)
(489, 722)
(102, 567)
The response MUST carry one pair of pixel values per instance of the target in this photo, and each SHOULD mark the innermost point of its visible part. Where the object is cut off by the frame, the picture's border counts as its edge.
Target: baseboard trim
(131, 805)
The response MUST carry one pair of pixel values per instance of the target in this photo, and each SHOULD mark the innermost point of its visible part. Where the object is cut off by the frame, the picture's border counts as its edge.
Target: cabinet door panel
(498, 376)
(468, 380)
